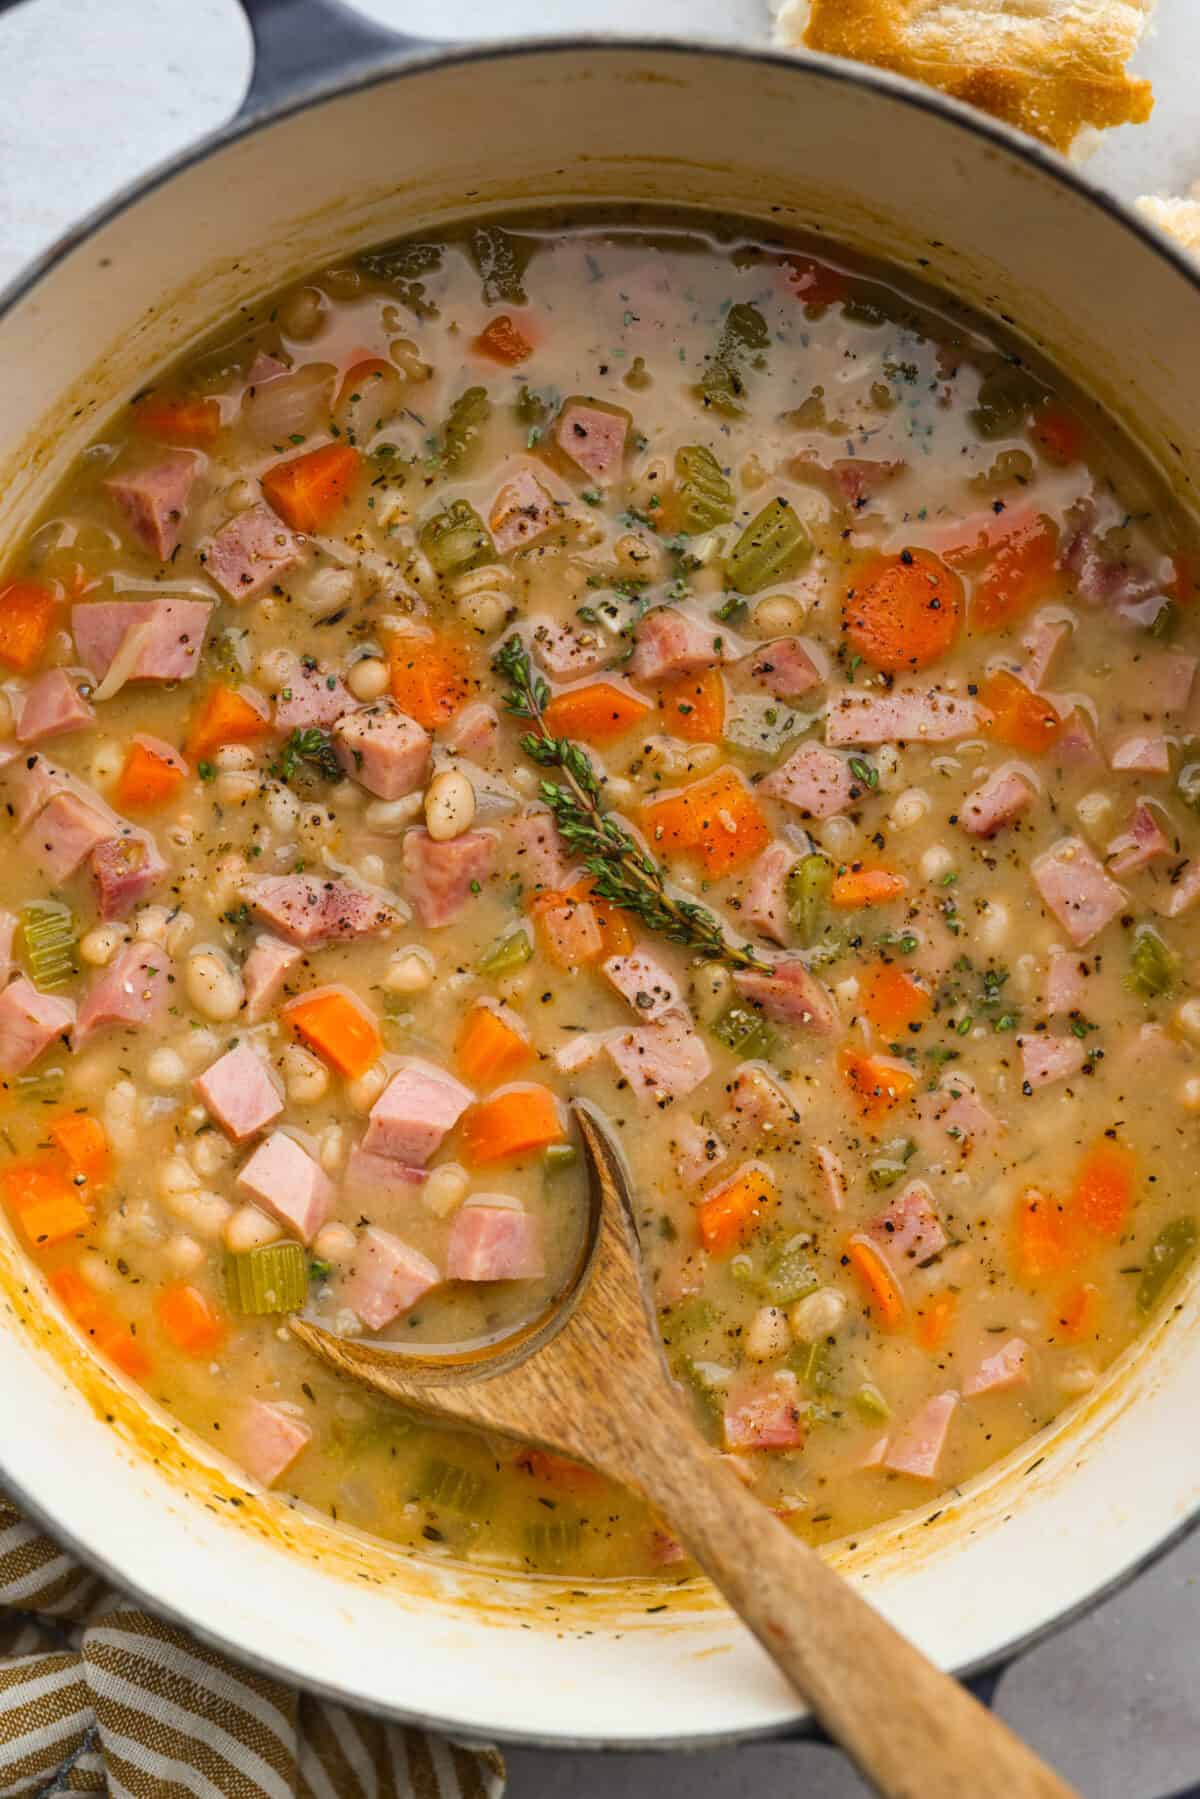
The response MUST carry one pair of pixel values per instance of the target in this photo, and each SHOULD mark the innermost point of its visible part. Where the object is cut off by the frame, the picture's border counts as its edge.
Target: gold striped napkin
(98, 1696)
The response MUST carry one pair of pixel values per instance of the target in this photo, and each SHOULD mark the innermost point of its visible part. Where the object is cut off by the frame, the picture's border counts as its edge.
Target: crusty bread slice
(1055, 68)
(1179, 217)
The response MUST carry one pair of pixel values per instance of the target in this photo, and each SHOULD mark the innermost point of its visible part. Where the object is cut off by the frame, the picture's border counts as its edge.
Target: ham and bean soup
(638, 663)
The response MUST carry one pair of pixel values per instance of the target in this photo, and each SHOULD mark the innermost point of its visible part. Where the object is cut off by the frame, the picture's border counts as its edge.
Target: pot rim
(409, 61)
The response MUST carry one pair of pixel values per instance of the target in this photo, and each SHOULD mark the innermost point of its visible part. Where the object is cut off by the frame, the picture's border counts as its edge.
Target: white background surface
(93, 92)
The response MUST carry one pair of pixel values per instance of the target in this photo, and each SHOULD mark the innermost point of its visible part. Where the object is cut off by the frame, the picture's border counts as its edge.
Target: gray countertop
(94, 91)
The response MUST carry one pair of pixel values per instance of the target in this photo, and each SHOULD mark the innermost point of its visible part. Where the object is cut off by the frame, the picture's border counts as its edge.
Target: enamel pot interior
(894, 172)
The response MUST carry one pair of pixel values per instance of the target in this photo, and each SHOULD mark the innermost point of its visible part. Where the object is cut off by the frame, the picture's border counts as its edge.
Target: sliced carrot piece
(149, 779)
(1017, 715)
(1023, 571)
(83, 1140)
(1078, 1311)
(490, 1049)
(597, 713)
(693, 706)
(857, 886)
(503, 341)
(27, 611)
(430, 677)
(935, 1320)
(49, 1221)
(1059, 434)
(98, 1320)
(726, 1217)
(877, 1083)
(190, 1319)
(716, 822)
(903, 611)
(225, 716)
(34, 1180)
(515, 1122)
(558, 1471)
(1104, 1187)
(600, 930)
(339, 1027)
(1046, 1236)
(308, 491)
(194, 421)
(892, 999)
(878, 1282)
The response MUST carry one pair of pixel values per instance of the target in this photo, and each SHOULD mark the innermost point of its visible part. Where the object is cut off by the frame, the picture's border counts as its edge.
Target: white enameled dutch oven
(349, 137)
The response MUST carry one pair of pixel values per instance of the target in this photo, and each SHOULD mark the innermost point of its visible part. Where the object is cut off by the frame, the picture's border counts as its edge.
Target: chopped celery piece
(689, 1318)
(704, 495)
(810, 1363)
(745, 1032)
(1187, 785)
(501, 259)
(760, 726)
(744, 337)
(464, 425)
(808, 888)
(773, 547)
(51, 942)
(552, 1541)
(1151, 965)
(709, 1406)
(1165, 622)
(508, 953)
(870, 1405)
(1006, 397)
(534, 405)
(271, 1278)
(744, 1272)
(40, 1089)
(403, 266)
(453, 1486)
(1166, 1259)
(560, 1156)
(455, 540)
(789, 1276)
(889, 1166)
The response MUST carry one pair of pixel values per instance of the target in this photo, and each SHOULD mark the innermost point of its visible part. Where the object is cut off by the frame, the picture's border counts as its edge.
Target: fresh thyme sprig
(621, 871)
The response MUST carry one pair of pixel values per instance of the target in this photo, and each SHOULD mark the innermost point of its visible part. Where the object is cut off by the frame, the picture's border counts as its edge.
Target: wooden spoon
(589, 1379)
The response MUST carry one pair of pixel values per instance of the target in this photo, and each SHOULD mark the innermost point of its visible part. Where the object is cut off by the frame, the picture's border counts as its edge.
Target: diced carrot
(430, 677)
(935, 1320)
(857, 886)
(892, 999)
(1017, 715)
(1046, 1236)
(1060, 435)
(341, 1029)
(877, 1083)
(614, 927)
(49, 1221)
(815, 282)
(558, 1471)
(98, 1320)
(1104, 1187)
(36, 1180)
(693, 706)
(83, 1140)
(148, 780)
(490, 1049)
(194, 421)
(514, 1122)
(1077, 1312)
(503, 341)
(903, 611)
(190, 1319)
(727, 1216)
(26, 614)
(225, 716)
(1023, 571)
(308, 491)
(600, 930)
(596, 713)
(716, 821)
(877, 1280)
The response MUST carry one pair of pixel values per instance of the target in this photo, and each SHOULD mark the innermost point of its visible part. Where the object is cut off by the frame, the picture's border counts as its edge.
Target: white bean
(283, 809)
(936, 861)
(992, 929)
(1187, 1019)
(1189, 1093)
(165, 1069)
(150, 924)
(1077, 1377)
(177, 1176)
(1094, 812)
(409, 971)
(120, 1116)
(449, 805)
(390, 817)
(305, 1078)
(368, 678)
(331, 1149)
(178, 933)
(767, 1336)
(203, 1212)
(240, 495)
(391, 508)
(712, 988)
(362, 1092)
(327, 590)
(779, 615)
(98, 1272)
(372, 869)
(302, 313)
(908, 808)
(213, 985)
(234, 756)
(334, 1243)
(210, 1153)
(817, 1315)
(445, 1189)
(100, 945)
(184, 1253)
(837, 834)
(236, 789)
(107, 760)
(248, 1228)
(483, 612)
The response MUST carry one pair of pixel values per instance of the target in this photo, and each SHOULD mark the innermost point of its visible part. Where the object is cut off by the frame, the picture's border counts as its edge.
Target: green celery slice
(464, 427)
(704, 495)
(455, 539)
(773, 547)
(745, 1032)
(1151, 965)
(870, 1405)
(51, 939)
(451, 1485)
(508, 953)
(744, 337)
(1168, 1256)
(502, 258)
(272, 1278)
(789, 1276)
(552, 1541)
(809, 885)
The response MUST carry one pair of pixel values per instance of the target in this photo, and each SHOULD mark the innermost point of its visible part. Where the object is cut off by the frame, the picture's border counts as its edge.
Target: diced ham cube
(1075, 887)
(765, 908)
(265, 1440)
(155, 499)
(418, 1107)
(170, 649)
(668, 642)
(521, 512)
(581, 1050)
(1046, 1058)
(769, 1415)
(649, 988)
(52, 707)
(541, 857)
(1076, 746)
(661, 1062)
(999, 802)
(1100, 578)
(383, 749)
(833, 1177)
(306, 695)
(30, 782)
(785, 669)
(285, 1181)
(1182, 891)
(592, 438)
(958, 1110)
(909, 1232)
(132, 991)
(264, 368)
(240, 1092)
(1157, 684)
(905, 715)
(1142, 843)
(8, 928)
(308, 910)
(441, 877)
(1041, 641)
(1000, 1373)
(816, 781)
(697, 1151)
(791, 994)
(125, 869)
(372, 1180)
(919, 1447)
(64, 834)
(758, 1106)
(569, 652)
(250, 553)
(849, 480)
(264, 973)
(1065, 982)
(1142, 754)
(29, 1023)
(473, 732)
(387, 1278)
(494, 1243)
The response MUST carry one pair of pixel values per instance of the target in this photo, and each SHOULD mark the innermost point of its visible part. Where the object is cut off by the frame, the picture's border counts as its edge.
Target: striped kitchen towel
(98, 1696)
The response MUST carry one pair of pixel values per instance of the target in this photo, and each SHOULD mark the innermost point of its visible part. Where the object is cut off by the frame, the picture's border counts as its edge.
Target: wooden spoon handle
(912, 1730)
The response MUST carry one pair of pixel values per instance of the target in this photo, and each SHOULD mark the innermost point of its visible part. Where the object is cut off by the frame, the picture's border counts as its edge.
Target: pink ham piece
(790, 994)
(494, 1243)
(650, 988)
(1001, 800)
(64, 834)
(696, 1151)
(131, 992)
(172, 646)
(521, 512)
(1000, 1373)
(673, 643)
(387, 1278)
(593, 439)
(769, 1416)
(1046, 1059)
(52, 707)
(383, 749)
(1065, 982)
(307, 910)
(264, 368)
(155, 499)
(660, 1062)
(1181, 893)
(240, 1092)
(418, 1107)
(959, 1112)
(815, 781)
(1076, 889)
(833, 1177)
(8, 928)
(379, 1180)
(569, 652)
(905, 715)
(540, 855)
(1143, 755)
(785, 669)
(1076, 746)
(284, 1180)
(908, 1233)
(309, 696)
(250, 553)
(1142, 843)
(265, 1440)
(440, 878)
(849, 480)
(572, 933)
(1100, 578)
(473, 732)
(125, 869)
(919, 1447)
(264, 973)
(765, 908)
(30, 782)
(1041, 641)
(1158, 684)
(583, 1049)
(29, 1023)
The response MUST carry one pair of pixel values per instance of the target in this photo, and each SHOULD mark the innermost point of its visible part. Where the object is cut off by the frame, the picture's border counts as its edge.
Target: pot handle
(299, 42)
